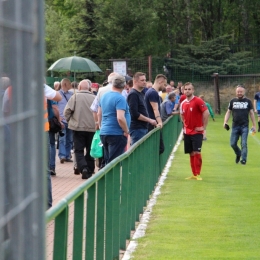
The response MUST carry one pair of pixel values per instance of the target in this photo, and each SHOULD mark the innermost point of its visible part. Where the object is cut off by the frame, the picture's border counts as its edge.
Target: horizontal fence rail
(108, 205)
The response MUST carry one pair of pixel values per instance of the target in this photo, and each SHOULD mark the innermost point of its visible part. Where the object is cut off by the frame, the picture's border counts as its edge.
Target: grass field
(216, 218)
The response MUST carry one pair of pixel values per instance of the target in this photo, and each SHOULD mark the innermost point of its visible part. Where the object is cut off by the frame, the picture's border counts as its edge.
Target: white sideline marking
(140, 231)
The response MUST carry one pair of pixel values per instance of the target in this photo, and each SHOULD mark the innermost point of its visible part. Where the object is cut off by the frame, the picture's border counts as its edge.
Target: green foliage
(125, 30)
(58, 33)
(194, 32)
(210, 57)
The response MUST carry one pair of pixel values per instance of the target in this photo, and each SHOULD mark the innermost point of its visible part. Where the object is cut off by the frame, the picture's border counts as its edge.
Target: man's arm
(55, 110)
(99, 116)
(176, 106)
(205, 118)
(226, 118)
(57, 97)
(94, 108)
(95, 116)
(255, 105)
(156, 113)
(52, 94)
(147, 119)
(252, 116)
(175, 112)
(122, 121)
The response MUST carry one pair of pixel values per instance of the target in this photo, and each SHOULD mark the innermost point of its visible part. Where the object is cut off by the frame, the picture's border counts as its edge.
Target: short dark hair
(160, 76)
(188, 83)
(130, 83)
(171, 95)
(138, 74)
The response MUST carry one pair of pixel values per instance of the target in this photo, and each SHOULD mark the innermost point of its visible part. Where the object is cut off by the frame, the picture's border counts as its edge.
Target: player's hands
(153, 122)
(159, 125)
(199, 129)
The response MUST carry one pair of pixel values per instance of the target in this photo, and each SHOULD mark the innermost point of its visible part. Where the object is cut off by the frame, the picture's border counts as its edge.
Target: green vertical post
(136, 185)
(130, 218)
(90, 222)
(109, 214)
(147, 170)
(155, 155)
(176, 128)
(140, 182)
(143, 174)
(152, 162)
(124, 205)
(158, 171)
(78, 227)
(100, 218)
(61, 236)
(133, 183)
(116, 205)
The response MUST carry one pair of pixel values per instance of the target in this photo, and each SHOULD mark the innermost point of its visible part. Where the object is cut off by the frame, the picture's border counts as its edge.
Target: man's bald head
(84, 85)
(56, 85)
(5, 82)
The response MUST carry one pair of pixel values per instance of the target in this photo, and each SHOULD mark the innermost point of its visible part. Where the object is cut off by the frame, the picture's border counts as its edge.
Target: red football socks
(197, 162)
(192, 164)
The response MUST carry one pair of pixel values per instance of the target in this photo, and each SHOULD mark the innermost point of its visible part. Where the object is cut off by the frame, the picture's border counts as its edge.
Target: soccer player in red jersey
(194, 114)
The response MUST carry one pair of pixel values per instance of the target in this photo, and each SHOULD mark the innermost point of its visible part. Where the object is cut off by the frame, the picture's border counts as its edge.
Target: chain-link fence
(200, 74)
(22, 173)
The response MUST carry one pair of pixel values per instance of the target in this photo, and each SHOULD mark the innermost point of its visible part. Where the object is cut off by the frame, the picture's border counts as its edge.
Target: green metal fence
(107, 206)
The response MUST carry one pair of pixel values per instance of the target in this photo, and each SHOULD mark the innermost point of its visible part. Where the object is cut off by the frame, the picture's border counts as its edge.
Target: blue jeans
(52, 152)
(65, 142)
(114, 145)
(137, 134)
(238, 131)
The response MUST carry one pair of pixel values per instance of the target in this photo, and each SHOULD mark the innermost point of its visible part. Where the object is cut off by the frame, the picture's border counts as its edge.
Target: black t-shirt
(152, 96)
(136, 104)
(240, 109)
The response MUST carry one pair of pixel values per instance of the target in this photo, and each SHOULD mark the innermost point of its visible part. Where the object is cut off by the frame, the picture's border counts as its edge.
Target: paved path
(62, 184)
(65, 181)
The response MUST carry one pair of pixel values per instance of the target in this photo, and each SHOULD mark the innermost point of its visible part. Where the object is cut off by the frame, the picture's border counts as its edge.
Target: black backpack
(55, 125)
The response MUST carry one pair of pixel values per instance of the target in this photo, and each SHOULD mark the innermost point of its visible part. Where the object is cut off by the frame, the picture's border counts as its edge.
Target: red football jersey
(182, 98)
(192, 114)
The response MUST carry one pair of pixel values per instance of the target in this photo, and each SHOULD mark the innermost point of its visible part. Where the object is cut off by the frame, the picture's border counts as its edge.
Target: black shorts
(193, 143)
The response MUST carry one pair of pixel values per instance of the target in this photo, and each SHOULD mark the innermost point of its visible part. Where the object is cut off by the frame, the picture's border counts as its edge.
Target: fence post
(216, 92)
(150, 67)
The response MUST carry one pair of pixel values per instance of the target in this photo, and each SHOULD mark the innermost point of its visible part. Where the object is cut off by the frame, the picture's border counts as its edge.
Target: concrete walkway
(62, 184)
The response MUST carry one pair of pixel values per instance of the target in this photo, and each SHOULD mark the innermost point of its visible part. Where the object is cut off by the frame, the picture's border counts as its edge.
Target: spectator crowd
(124, 109)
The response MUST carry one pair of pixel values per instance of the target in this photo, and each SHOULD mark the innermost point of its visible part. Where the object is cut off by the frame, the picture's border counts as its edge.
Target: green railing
(107, 206)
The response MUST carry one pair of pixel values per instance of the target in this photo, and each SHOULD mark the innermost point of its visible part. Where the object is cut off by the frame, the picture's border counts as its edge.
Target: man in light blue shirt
(114, 120)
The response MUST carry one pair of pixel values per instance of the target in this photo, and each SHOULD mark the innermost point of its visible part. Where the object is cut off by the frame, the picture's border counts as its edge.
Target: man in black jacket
(138, 111)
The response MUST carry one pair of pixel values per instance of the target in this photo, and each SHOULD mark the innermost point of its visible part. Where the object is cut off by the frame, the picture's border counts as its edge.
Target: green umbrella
(74, 64)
